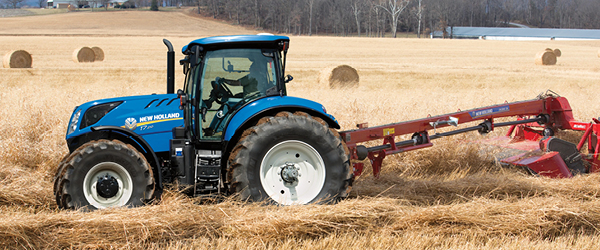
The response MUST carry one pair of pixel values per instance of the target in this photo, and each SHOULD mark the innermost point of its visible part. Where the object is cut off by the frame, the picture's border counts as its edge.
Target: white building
(59, 4)
(63, 4)
(532, 34)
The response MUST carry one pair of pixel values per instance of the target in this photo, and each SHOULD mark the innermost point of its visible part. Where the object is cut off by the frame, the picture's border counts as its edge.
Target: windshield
(247, 73)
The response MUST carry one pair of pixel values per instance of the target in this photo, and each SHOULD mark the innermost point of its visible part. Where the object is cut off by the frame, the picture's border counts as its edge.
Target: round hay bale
(545, 58)
(549, 50)
(84, 54)
(342, 76)
(17, 59)
(557, 52)
(99, 54)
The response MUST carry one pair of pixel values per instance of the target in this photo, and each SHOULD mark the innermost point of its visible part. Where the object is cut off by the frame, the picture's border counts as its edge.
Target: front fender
(275, 103)
(127, 136)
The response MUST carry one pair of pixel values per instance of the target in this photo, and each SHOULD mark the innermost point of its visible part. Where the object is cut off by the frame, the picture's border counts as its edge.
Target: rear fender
(253, 111)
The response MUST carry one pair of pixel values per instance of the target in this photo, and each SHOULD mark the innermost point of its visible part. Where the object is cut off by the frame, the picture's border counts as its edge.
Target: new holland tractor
(233, 130)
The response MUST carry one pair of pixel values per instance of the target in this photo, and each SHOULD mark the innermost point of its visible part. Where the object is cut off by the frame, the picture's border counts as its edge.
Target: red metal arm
(554, 111)
(531, 107)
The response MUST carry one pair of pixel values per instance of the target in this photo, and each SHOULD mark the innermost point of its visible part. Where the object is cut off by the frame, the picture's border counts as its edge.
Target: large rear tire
(290, 159)
(102, 174)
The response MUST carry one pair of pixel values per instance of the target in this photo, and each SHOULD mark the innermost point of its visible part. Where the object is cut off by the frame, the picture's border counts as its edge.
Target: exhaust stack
(170, 67)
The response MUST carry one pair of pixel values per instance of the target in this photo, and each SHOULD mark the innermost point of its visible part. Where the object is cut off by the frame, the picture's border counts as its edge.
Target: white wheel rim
(100, 170)
(308, 165)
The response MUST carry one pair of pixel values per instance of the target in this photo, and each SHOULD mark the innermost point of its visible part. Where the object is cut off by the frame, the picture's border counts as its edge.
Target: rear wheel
(290, 159)
(102, 174)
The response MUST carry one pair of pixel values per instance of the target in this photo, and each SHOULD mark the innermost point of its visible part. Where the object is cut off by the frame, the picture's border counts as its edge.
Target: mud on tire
(290, 159)
(101, 174)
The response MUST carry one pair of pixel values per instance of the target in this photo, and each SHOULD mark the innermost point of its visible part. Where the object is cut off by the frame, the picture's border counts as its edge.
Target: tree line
(378, 18)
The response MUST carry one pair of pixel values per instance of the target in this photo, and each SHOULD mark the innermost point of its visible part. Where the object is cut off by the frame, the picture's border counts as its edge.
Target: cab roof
(218, 42)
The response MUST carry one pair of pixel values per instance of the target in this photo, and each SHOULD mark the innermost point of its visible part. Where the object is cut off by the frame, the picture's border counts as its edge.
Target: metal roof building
(519, 33)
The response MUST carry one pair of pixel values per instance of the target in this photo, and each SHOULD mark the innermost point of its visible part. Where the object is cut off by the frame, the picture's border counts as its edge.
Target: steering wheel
(221, 90)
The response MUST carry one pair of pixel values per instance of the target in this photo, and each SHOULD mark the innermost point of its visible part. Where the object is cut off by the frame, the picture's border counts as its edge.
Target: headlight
(73, 122)
(94, 114)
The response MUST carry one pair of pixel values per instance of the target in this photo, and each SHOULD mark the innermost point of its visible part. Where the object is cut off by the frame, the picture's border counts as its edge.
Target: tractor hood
(150, 116)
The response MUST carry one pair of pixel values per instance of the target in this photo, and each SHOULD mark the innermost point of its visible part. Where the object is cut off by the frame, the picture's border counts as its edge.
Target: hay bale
(549, 50)
(545, 58)
(557, 52)
(99, 53)
(342, 76)
(17, 59)
(84, 54)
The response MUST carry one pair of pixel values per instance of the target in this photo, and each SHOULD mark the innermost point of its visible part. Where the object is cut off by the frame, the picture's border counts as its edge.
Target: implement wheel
(290, 159)
(102, 174)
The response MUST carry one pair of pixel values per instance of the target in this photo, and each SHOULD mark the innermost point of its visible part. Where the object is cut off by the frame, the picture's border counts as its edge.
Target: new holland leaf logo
(131, 123)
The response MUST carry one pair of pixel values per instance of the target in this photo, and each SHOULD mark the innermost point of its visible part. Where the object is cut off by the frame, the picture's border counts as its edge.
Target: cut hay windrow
(98, 53)
(545, 58)
(342, 76)
(178, 219)
(17, 59)
(84, 54)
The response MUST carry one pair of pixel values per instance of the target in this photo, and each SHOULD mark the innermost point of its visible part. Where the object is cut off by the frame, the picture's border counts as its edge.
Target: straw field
(450, 196)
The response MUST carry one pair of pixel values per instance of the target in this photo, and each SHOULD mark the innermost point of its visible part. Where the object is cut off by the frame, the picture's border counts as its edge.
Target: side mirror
(182, 99)
(229, 67)
(288, 78)
(195, 56)
(186, 64)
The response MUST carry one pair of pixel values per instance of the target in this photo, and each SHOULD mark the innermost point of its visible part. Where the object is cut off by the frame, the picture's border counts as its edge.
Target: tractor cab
(223, 74)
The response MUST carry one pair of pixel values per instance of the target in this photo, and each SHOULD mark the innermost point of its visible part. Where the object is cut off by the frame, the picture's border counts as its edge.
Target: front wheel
(290, 159)
(102, 174)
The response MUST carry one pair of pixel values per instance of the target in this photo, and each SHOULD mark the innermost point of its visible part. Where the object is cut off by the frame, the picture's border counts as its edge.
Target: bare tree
(13, 3)
(378, 21)
(357, 6)
(311, 4)
(394, 8)
(42, 3)
(256, 14)
(419, 15)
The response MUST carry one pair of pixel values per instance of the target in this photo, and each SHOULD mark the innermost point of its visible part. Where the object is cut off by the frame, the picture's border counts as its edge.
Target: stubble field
(448, 196)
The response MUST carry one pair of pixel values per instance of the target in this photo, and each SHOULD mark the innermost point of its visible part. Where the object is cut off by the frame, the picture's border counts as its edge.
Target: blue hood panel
(151, 116)
(154, 116)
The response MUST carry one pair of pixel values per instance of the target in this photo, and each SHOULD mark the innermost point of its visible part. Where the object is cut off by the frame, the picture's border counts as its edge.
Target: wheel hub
(107, 186)
(292, 172)
(289, 173)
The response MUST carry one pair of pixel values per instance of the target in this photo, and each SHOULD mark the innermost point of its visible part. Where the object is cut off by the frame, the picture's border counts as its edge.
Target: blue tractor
(231, 130)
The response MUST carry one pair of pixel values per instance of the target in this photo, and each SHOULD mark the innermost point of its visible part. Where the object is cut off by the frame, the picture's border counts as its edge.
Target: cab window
(230, 78)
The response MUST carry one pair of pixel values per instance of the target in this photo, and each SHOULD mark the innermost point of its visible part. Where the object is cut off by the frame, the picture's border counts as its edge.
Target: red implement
(537, 121)
(547, 164)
